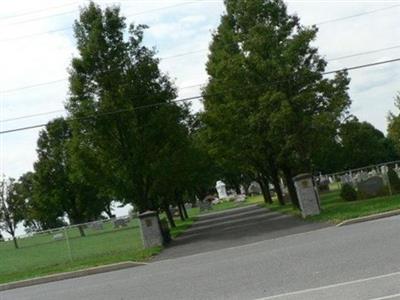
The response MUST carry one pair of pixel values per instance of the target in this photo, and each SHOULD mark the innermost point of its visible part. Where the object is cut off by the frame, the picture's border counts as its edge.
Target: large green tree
(125, 123)
(267, 97)
(363, 145)
(56, 190)
(394, 125)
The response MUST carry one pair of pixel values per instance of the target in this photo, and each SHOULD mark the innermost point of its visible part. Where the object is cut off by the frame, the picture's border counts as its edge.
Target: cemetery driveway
(235, 227)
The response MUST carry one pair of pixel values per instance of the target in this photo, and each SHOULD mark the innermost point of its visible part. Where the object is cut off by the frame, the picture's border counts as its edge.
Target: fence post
(68, 245)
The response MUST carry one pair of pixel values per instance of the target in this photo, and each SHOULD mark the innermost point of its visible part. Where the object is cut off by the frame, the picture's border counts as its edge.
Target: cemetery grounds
(43, 254)
(50, 252)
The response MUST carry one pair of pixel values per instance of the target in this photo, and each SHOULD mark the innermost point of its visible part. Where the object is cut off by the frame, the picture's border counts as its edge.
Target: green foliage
(267, 103)
(348, 192)
(394, 126)
(394, 180)
(12, 208)
(134, 155)
(55, 190)
(363, 145)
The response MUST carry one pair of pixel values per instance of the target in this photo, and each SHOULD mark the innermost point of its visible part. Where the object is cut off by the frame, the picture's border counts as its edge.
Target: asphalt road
(360, 261)
(235, 227)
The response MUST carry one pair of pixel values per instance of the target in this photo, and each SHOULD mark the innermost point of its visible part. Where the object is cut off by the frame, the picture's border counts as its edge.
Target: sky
(37, 45)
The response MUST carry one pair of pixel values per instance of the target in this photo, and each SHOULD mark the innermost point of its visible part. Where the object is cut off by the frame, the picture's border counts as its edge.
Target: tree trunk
(107, 210)
(277, 187)
(15, 242)
(291, 188)
(184, 211)
(169, 216)
(265, 191)
(237, 189)
(181, 212)
(81, 231)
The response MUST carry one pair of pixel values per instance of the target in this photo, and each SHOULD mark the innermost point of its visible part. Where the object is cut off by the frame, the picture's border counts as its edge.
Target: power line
(104, 114)
(181, 55)
(179, 100)
(42, 18)
(38, 11)
(363, 66)
(76, 11)
(12, 90)
(357, 15)
(364, 53)
(69, 28)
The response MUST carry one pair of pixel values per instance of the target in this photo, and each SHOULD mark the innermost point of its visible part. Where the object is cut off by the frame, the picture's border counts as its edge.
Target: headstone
(150, 229)
(346, 178)
(307, 195)
(371, 187)
(58, 236)
(240, 198)
(98, 225)
(221, 189)
(206, 204)
(121, 222)
(323, 185)
(242, 190)
(254, 188)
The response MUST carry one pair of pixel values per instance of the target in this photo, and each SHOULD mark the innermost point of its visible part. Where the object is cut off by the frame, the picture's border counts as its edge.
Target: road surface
(360, 261)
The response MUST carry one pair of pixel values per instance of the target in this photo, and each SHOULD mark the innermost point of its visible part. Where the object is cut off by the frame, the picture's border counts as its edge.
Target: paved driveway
(235, 227)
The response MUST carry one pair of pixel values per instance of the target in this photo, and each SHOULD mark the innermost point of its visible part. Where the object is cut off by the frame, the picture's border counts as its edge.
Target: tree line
(269, 114)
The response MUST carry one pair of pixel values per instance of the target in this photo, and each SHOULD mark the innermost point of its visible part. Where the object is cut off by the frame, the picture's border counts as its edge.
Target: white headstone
(221, 190)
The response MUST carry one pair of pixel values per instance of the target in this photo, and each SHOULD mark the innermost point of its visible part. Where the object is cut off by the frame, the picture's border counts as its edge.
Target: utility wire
(37, 11)
(179, 100)
(181, 55)
(364, 53)
(76, 11)
(357, 15)
(69, 28)
(104, 114)
(12, 90)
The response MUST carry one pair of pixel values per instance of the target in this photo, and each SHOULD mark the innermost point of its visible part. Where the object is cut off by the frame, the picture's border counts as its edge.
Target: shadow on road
(235, 227)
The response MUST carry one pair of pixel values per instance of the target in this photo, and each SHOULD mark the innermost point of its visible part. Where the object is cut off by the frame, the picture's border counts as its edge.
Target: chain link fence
(101, 241)
(372, 179)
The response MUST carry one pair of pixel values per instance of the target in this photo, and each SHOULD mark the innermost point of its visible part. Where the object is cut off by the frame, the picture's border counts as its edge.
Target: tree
(56, 190)
(116, 74)
(394, 125)
(363, 145)
(267, 98)
(11, 208)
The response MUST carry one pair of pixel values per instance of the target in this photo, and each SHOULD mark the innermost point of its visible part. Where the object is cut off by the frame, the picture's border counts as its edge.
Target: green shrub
(348, 193)
(394, 180)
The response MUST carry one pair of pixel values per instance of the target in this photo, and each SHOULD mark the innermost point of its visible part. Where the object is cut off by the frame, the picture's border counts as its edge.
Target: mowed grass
(335, 210)
(42, 255)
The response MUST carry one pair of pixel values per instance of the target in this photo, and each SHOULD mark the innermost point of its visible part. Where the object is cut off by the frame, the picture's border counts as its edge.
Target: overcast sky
(28, 56)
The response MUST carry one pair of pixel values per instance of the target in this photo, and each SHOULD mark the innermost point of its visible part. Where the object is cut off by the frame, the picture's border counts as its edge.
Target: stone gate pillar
(150, 229)
(307, 195)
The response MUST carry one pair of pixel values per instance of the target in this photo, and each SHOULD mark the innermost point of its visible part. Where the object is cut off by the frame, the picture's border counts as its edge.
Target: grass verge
(335, 210)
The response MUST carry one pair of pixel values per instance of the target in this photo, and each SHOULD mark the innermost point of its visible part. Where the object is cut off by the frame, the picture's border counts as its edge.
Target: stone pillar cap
(148, 213)
(302, 176)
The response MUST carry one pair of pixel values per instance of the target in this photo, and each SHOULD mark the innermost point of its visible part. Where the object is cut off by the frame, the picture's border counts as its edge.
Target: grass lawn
(42, 255)
(335, 209)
